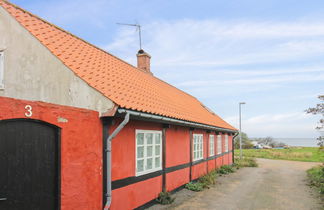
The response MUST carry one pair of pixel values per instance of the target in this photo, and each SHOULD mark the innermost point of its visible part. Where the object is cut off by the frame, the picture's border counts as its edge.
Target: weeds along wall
(130, 190)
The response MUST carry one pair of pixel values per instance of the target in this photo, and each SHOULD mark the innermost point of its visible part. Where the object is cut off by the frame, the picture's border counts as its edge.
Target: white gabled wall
(32, 72)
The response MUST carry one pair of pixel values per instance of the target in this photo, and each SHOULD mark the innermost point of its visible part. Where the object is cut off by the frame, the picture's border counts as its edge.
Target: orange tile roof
(119, 81)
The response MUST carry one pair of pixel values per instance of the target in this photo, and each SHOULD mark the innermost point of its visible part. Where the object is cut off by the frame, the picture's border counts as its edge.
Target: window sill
(148, 172)
(195, 162)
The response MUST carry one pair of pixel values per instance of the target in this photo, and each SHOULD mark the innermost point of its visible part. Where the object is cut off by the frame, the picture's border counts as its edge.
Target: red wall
(137, 194)
(177, 146)
(81, 149)
(177, 178)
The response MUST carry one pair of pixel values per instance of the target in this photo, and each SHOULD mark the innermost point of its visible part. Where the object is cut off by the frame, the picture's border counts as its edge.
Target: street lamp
(241, 103)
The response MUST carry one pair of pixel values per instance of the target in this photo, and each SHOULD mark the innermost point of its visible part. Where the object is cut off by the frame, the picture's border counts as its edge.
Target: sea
(303, 142)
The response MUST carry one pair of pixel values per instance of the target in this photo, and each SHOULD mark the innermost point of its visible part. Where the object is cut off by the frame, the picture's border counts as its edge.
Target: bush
(245, 162)
(165, 198)
(208, 179)
(195, 186)
(203, 182)
(226, 169)
(316, 177)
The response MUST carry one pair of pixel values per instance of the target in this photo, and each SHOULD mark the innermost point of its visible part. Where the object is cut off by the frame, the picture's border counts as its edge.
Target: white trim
(211, 145)
(226, 143)
(198, 141)
(219, 144)
(146, 171)
(1, 70)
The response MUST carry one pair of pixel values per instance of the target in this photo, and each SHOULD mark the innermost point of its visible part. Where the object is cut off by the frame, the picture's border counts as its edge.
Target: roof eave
(167, 120)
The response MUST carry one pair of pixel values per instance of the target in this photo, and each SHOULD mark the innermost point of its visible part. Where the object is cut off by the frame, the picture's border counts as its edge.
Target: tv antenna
(138, 28)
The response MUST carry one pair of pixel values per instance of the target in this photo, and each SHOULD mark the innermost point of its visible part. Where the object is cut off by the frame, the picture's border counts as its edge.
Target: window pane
(140, 165)
(140, 138)
(157, 162)
(157, 150)
(149, 163)
(149, 151)
(140, 152)
(157, 138)
(149, 138)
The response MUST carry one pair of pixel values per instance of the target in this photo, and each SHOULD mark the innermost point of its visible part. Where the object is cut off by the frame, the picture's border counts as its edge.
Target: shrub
(208, 179)
(226, 169)
(165, 198)
(203, 182)
(195, 186)
(316, 177)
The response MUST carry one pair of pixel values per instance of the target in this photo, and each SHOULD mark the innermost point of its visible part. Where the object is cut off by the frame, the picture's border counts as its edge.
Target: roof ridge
(65, 31)
(136, 91)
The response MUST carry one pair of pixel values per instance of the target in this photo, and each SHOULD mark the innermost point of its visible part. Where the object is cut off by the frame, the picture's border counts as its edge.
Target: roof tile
(123, 83)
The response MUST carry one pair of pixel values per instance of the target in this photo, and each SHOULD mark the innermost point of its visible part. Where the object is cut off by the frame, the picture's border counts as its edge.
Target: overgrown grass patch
(245, 162)
(226, 169)
(165, 198)
(308, 154)
(203, 182)
(195, 186)
(210, 179)
(316, 178)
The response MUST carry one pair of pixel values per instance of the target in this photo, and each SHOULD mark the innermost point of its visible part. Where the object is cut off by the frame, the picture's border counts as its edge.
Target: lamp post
(241, 103)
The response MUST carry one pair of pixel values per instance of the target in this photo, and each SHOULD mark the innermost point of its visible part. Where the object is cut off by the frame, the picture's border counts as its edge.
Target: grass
(245, 162)
(165, 198)
(316, 178)
(210, 179)
(308, 154)
(226, 169)
(203, 182)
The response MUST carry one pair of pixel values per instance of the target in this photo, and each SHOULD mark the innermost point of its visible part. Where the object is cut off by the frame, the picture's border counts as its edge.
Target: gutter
(174, 121)
(108, 159)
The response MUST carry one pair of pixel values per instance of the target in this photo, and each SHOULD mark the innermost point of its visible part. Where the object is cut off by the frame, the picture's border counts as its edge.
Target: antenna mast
(138, 27)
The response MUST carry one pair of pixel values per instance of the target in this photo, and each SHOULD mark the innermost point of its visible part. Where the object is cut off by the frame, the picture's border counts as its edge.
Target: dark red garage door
(29, 173)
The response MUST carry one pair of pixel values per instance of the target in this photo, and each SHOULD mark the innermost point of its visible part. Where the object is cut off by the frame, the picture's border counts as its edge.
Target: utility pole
(240, 122)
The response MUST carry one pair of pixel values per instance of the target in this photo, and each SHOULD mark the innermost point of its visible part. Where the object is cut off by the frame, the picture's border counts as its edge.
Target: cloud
(205, 43)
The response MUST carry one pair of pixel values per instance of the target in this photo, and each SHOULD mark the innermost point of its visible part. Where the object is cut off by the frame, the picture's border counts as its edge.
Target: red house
(82, 129)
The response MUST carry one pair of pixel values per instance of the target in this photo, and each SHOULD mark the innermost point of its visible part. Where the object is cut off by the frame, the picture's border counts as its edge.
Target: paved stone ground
(275, 185)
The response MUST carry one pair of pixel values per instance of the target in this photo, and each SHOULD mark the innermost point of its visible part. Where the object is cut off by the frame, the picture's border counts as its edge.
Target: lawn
(308, 154)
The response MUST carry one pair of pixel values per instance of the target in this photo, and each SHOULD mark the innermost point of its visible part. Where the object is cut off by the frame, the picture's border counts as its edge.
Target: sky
(269, 54)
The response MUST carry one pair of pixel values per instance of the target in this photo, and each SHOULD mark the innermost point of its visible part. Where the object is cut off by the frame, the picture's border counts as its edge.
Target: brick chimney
(143, 61)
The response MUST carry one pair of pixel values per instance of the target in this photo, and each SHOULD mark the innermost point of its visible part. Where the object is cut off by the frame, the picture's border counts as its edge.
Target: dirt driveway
(275, 185)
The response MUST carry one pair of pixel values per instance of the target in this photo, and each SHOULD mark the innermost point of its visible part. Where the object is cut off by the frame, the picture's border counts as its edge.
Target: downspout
(233, 146)
(108, 160)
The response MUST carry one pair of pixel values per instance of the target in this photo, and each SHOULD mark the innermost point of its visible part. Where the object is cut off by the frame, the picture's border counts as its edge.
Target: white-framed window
(1, 69)
(198, 147)
(148, 151)
(219, 144)
(211, 145)
(226, 143)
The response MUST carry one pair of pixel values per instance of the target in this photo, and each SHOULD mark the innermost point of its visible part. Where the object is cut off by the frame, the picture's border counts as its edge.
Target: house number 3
(29, 111)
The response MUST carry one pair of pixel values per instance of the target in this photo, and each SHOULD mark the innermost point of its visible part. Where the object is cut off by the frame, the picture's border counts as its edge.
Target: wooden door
(29, 167)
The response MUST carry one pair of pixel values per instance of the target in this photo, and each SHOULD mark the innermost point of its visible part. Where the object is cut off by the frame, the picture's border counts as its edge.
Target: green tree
(319, 110)
(246, 142)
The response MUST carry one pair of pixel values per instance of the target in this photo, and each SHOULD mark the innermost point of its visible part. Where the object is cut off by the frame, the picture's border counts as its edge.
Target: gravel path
(275, 185)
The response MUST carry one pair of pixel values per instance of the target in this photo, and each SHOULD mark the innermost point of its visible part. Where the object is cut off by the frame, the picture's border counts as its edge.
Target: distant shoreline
(301, 142)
